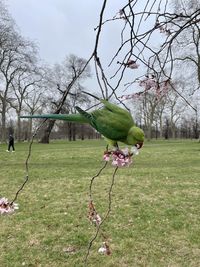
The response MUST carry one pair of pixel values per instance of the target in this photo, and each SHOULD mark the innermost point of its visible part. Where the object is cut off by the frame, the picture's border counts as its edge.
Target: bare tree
(187, 55)
(16, 55)
(64, 80)
(34, 101)
(22, 85)
(175, 111)
(7, 34)
(77, 98)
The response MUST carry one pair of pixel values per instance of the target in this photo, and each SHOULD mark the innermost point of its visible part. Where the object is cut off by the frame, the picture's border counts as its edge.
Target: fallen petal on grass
(70, 249)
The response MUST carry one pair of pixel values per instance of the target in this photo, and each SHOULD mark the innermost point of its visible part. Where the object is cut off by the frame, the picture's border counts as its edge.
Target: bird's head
(135, 137)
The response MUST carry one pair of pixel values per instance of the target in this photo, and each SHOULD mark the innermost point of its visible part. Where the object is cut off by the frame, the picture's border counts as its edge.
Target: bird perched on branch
(113, 122)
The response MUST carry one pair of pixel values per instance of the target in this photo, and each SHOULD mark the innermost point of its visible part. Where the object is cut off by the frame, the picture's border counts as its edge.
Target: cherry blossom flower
(6, 207)
(121, 12)
(97, 219)
(120, 158)
(165, 31)
(148, 83)
(126, 97)
(93, 215)
(162, 29)
(106, 156)
(104, 249)
(131, 64)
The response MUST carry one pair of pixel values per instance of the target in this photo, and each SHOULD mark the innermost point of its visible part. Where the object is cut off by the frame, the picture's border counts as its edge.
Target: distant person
(11, 143)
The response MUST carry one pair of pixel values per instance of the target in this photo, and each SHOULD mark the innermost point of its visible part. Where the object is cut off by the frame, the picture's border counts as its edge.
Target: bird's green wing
(112, 121)
(116, 109)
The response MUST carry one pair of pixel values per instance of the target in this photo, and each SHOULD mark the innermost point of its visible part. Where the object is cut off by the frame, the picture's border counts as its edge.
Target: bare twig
(27, 162)
(93, 178)
(98, 229)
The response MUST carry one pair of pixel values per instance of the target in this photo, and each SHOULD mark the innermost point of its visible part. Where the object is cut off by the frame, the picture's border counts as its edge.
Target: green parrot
(114, 123)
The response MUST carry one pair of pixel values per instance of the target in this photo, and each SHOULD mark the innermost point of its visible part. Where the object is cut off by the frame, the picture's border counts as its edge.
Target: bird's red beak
(139, 145)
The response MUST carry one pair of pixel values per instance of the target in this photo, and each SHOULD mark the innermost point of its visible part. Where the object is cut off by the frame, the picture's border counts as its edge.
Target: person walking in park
(11, 143)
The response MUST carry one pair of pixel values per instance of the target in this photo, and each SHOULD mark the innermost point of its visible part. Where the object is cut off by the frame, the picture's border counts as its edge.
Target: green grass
(155, 206)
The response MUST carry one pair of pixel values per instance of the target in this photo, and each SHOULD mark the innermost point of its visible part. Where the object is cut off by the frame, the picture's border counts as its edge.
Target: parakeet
(113, 122)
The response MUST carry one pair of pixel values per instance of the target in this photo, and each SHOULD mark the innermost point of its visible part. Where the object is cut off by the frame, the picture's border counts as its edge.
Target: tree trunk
(173, 130)
(149, 127)
(196, 126)
(161, 127)
(18, 128)
(167, 130)
(82, 132)
(47, 132)
(3, 123)
(69, 131)
(74, 131)
(30, 126)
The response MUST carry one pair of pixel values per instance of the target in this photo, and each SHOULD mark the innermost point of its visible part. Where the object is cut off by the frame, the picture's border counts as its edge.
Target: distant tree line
(28, 86)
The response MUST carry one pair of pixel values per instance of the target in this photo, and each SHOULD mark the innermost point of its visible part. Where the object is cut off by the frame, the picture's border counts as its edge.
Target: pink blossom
(162, 30)
(149, 83)
(126, 97)
(106, 156)
(120, 158)
(121, 12)
(165, 30)
(97, 219)
(104, 249)
(93, 215)
(160, 89)
(165, 86)
(131, 64)
(6, 207)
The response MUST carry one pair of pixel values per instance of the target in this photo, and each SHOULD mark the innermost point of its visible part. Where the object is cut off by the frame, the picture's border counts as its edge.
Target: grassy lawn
(155, 213)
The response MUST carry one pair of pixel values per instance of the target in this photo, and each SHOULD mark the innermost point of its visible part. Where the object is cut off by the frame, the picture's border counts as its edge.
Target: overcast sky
(63, 27)
(60, 27)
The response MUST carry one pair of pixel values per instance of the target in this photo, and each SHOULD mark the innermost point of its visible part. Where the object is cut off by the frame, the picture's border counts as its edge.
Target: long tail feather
(67, 117)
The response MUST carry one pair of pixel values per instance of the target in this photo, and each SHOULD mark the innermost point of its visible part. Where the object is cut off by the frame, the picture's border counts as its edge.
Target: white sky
(63, 27)
(59, 27)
